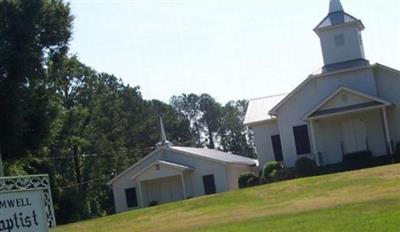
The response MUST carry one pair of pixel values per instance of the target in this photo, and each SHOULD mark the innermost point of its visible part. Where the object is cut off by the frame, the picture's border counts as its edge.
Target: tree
(31, 31)
(210, 117)
(187, 105)
(204, 114)
(104, 127)
(235, 137)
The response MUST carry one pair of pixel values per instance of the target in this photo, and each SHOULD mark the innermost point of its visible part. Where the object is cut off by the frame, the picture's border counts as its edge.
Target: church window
(339, 40)
(301, 139)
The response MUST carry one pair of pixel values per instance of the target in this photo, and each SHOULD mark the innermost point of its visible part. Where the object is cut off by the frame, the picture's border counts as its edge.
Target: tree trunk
(77, 167)
(211, 139)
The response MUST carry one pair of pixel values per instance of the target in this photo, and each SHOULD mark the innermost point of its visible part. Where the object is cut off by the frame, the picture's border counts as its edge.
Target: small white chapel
(173, 173)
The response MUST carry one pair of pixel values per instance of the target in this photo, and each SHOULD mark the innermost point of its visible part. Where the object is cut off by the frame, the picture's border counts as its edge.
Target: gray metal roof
(215, 155)
(258, 108)
(336, 18)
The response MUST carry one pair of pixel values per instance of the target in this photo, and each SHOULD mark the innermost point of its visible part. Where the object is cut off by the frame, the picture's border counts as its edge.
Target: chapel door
(354, 136)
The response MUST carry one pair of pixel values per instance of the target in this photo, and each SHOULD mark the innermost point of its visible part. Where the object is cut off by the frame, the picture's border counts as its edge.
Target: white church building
(349, 106)
(172, 173)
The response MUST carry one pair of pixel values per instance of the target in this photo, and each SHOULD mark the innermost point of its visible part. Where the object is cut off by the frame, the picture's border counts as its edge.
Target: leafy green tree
(210, 117)
(187, 105)
(235, 136)
(31, 31)
(204, 114)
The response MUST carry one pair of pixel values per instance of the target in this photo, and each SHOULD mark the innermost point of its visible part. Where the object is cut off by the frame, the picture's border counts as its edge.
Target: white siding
(388, 86)
(291, 113)
(262, 139)
(126, 181)
(201, 167)
(351, 49)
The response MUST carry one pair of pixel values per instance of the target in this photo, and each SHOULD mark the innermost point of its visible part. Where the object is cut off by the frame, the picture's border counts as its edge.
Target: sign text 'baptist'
(22, 211)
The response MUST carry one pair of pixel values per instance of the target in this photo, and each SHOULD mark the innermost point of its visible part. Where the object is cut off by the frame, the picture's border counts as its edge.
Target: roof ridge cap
(269, 96)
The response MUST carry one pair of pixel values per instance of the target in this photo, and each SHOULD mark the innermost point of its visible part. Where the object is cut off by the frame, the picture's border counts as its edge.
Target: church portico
(338, 136)
(161, 182)
(347, 122)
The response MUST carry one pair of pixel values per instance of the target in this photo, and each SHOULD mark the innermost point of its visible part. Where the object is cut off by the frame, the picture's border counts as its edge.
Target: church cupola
(341, 41)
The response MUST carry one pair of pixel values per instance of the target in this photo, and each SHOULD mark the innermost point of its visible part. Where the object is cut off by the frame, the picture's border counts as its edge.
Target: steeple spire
(335, 6)
(162, 131)
(164, 142)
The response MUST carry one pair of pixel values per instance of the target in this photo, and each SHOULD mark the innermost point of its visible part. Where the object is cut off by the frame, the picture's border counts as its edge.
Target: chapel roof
(258, 108)
(337, 16)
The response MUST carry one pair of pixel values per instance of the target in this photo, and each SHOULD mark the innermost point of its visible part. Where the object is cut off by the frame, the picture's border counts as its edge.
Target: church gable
(345, 99)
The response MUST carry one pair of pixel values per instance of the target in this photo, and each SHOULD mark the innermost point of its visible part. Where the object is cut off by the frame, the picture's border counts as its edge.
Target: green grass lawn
(363, 200)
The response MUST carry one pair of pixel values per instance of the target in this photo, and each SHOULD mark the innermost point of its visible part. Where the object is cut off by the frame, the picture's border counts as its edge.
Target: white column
(140, 193)
(387, 133)
(183, 186)
(314, 142)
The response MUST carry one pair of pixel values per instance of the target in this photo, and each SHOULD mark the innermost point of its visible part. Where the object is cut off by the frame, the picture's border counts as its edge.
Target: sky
(230, 49)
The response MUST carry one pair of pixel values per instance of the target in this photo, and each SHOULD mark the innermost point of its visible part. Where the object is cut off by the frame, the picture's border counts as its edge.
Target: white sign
(22, 212)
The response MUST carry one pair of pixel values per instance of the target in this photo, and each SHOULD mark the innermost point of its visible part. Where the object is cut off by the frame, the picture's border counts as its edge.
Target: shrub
(244, 178)
(305, 167)
(269, 168)
(284, 174)
(153, 203)
(252, 181)
(360, 156)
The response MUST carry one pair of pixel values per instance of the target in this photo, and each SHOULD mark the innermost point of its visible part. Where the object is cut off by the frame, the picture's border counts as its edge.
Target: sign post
(26, 204)
(1, 165)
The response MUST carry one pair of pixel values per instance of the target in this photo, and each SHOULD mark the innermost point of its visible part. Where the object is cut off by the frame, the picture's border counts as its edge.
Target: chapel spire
(163, 142)
(335, 6)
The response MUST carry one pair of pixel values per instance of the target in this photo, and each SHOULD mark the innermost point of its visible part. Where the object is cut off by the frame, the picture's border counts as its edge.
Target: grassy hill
(363, 200)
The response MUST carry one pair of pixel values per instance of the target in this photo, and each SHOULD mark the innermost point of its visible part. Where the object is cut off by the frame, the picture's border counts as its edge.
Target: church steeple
(341, 41)
(163, 142)
(335, 6)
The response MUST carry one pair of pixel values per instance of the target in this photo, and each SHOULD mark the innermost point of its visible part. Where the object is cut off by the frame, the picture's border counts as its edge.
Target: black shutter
(277, 147)
(131, 198)
(301, 139)
(209, 184)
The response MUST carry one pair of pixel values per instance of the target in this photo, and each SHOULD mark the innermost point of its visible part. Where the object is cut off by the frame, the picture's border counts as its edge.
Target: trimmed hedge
(305, 167)
(247, 179)
(284, 174)
(252, 181)
(269, 168)
(360, 156)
